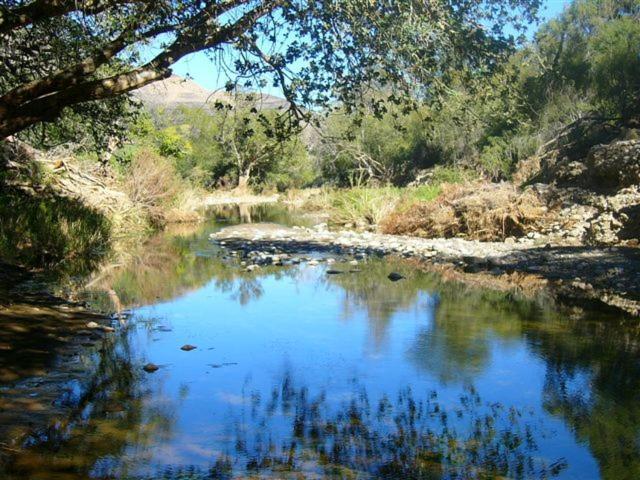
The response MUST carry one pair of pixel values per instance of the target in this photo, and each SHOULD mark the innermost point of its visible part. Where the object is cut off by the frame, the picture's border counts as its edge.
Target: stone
(150, 367)
(395, 276)
(93, 325)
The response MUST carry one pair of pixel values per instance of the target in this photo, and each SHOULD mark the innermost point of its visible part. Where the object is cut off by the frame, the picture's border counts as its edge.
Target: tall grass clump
(152, 183)
(366, 207)
(50, 231)
(363, 206)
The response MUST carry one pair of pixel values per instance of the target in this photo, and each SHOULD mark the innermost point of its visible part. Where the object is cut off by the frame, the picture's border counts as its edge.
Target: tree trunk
(243, 179)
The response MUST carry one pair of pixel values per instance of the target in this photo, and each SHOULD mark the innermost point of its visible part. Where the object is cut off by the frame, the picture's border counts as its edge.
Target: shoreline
(606, 276)
(45, 345)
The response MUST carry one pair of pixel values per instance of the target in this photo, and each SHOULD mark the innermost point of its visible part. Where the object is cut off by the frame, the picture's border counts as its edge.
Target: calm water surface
(300, 374)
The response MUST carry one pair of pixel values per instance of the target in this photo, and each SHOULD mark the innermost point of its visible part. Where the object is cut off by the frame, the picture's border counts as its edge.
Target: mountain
(177, 91)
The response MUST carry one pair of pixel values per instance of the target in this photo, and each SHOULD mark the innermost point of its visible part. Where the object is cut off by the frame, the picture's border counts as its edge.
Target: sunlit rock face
(176, 91)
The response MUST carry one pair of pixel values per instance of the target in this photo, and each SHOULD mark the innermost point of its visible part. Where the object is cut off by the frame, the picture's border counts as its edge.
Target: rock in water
(188, 348)
(395, 276)
(150, 367)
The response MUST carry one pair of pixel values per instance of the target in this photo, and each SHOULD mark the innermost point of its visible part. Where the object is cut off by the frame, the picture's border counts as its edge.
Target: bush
(356, 152)
(152, 182)
(362, 206)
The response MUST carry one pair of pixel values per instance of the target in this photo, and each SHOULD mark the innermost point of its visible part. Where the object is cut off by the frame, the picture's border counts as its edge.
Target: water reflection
(178, 261)
(300, 374)
(293, 431)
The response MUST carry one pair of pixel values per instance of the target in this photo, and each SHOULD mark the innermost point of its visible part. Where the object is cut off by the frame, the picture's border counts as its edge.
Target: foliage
(50, 231)
(152, 183)
(585, 63)
(316, 51)
(42, 51)
(616, 66)
(225, 146)
(389, 149)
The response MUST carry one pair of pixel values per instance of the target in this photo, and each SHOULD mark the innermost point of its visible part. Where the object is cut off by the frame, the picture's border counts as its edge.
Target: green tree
(615, 66)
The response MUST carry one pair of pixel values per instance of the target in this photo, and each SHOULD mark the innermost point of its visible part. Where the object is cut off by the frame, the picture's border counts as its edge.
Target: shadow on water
(438, 421)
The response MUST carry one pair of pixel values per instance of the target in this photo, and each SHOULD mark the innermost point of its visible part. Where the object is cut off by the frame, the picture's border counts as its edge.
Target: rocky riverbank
(608, 276)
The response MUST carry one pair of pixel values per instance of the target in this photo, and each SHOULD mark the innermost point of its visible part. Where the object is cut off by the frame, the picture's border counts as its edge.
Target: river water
(301, 374)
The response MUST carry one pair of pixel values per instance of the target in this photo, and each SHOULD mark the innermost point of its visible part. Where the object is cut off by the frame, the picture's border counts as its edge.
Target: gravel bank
(607, 276)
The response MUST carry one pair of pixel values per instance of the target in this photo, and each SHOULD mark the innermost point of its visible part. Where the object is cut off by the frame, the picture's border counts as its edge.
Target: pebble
(150, 367)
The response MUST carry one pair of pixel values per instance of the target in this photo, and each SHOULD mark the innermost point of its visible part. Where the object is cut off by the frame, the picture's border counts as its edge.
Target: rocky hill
(177, 91)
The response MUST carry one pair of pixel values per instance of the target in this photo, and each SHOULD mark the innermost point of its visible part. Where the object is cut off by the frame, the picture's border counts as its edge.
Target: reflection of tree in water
(593, 372)
(164, 267)
(456, 345)
(167, 267)
(593, 383)
(258, 213)
(370, 291)
(109, 413)
(293, 433)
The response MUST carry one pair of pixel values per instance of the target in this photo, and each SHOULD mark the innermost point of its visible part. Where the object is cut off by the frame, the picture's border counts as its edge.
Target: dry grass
(482, 211)
(153, 184)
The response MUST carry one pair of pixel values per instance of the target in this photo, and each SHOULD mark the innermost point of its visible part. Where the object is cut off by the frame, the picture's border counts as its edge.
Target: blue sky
(206, 73)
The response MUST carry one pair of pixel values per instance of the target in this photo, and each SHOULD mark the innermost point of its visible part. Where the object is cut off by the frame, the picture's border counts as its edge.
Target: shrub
(153, 183)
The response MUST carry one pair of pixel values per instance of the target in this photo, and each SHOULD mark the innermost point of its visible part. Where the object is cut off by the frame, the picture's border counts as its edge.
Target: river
(302, 374)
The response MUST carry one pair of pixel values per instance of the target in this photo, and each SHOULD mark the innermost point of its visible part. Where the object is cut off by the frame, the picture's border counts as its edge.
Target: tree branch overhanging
(38, 10)
(45, 98)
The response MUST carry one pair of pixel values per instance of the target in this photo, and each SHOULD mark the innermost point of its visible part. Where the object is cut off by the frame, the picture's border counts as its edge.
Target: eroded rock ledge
(604, 275)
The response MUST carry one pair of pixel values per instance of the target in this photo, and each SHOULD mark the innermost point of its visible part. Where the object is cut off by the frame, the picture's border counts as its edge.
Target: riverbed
(321, 366)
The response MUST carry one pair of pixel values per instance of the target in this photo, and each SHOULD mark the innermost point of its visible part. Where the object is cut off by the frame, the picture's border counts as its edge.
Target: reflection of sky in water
(315, 332)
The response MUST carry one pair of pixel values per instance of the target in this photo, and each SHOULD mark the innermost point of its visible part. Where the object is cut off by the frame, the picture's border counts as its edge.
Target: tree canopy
(56, 54)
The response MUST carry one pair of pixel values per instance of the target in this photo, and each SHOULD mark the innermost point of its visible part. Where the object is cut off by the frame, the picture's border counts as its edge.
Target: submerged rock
(150, 367)
(395, 276)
